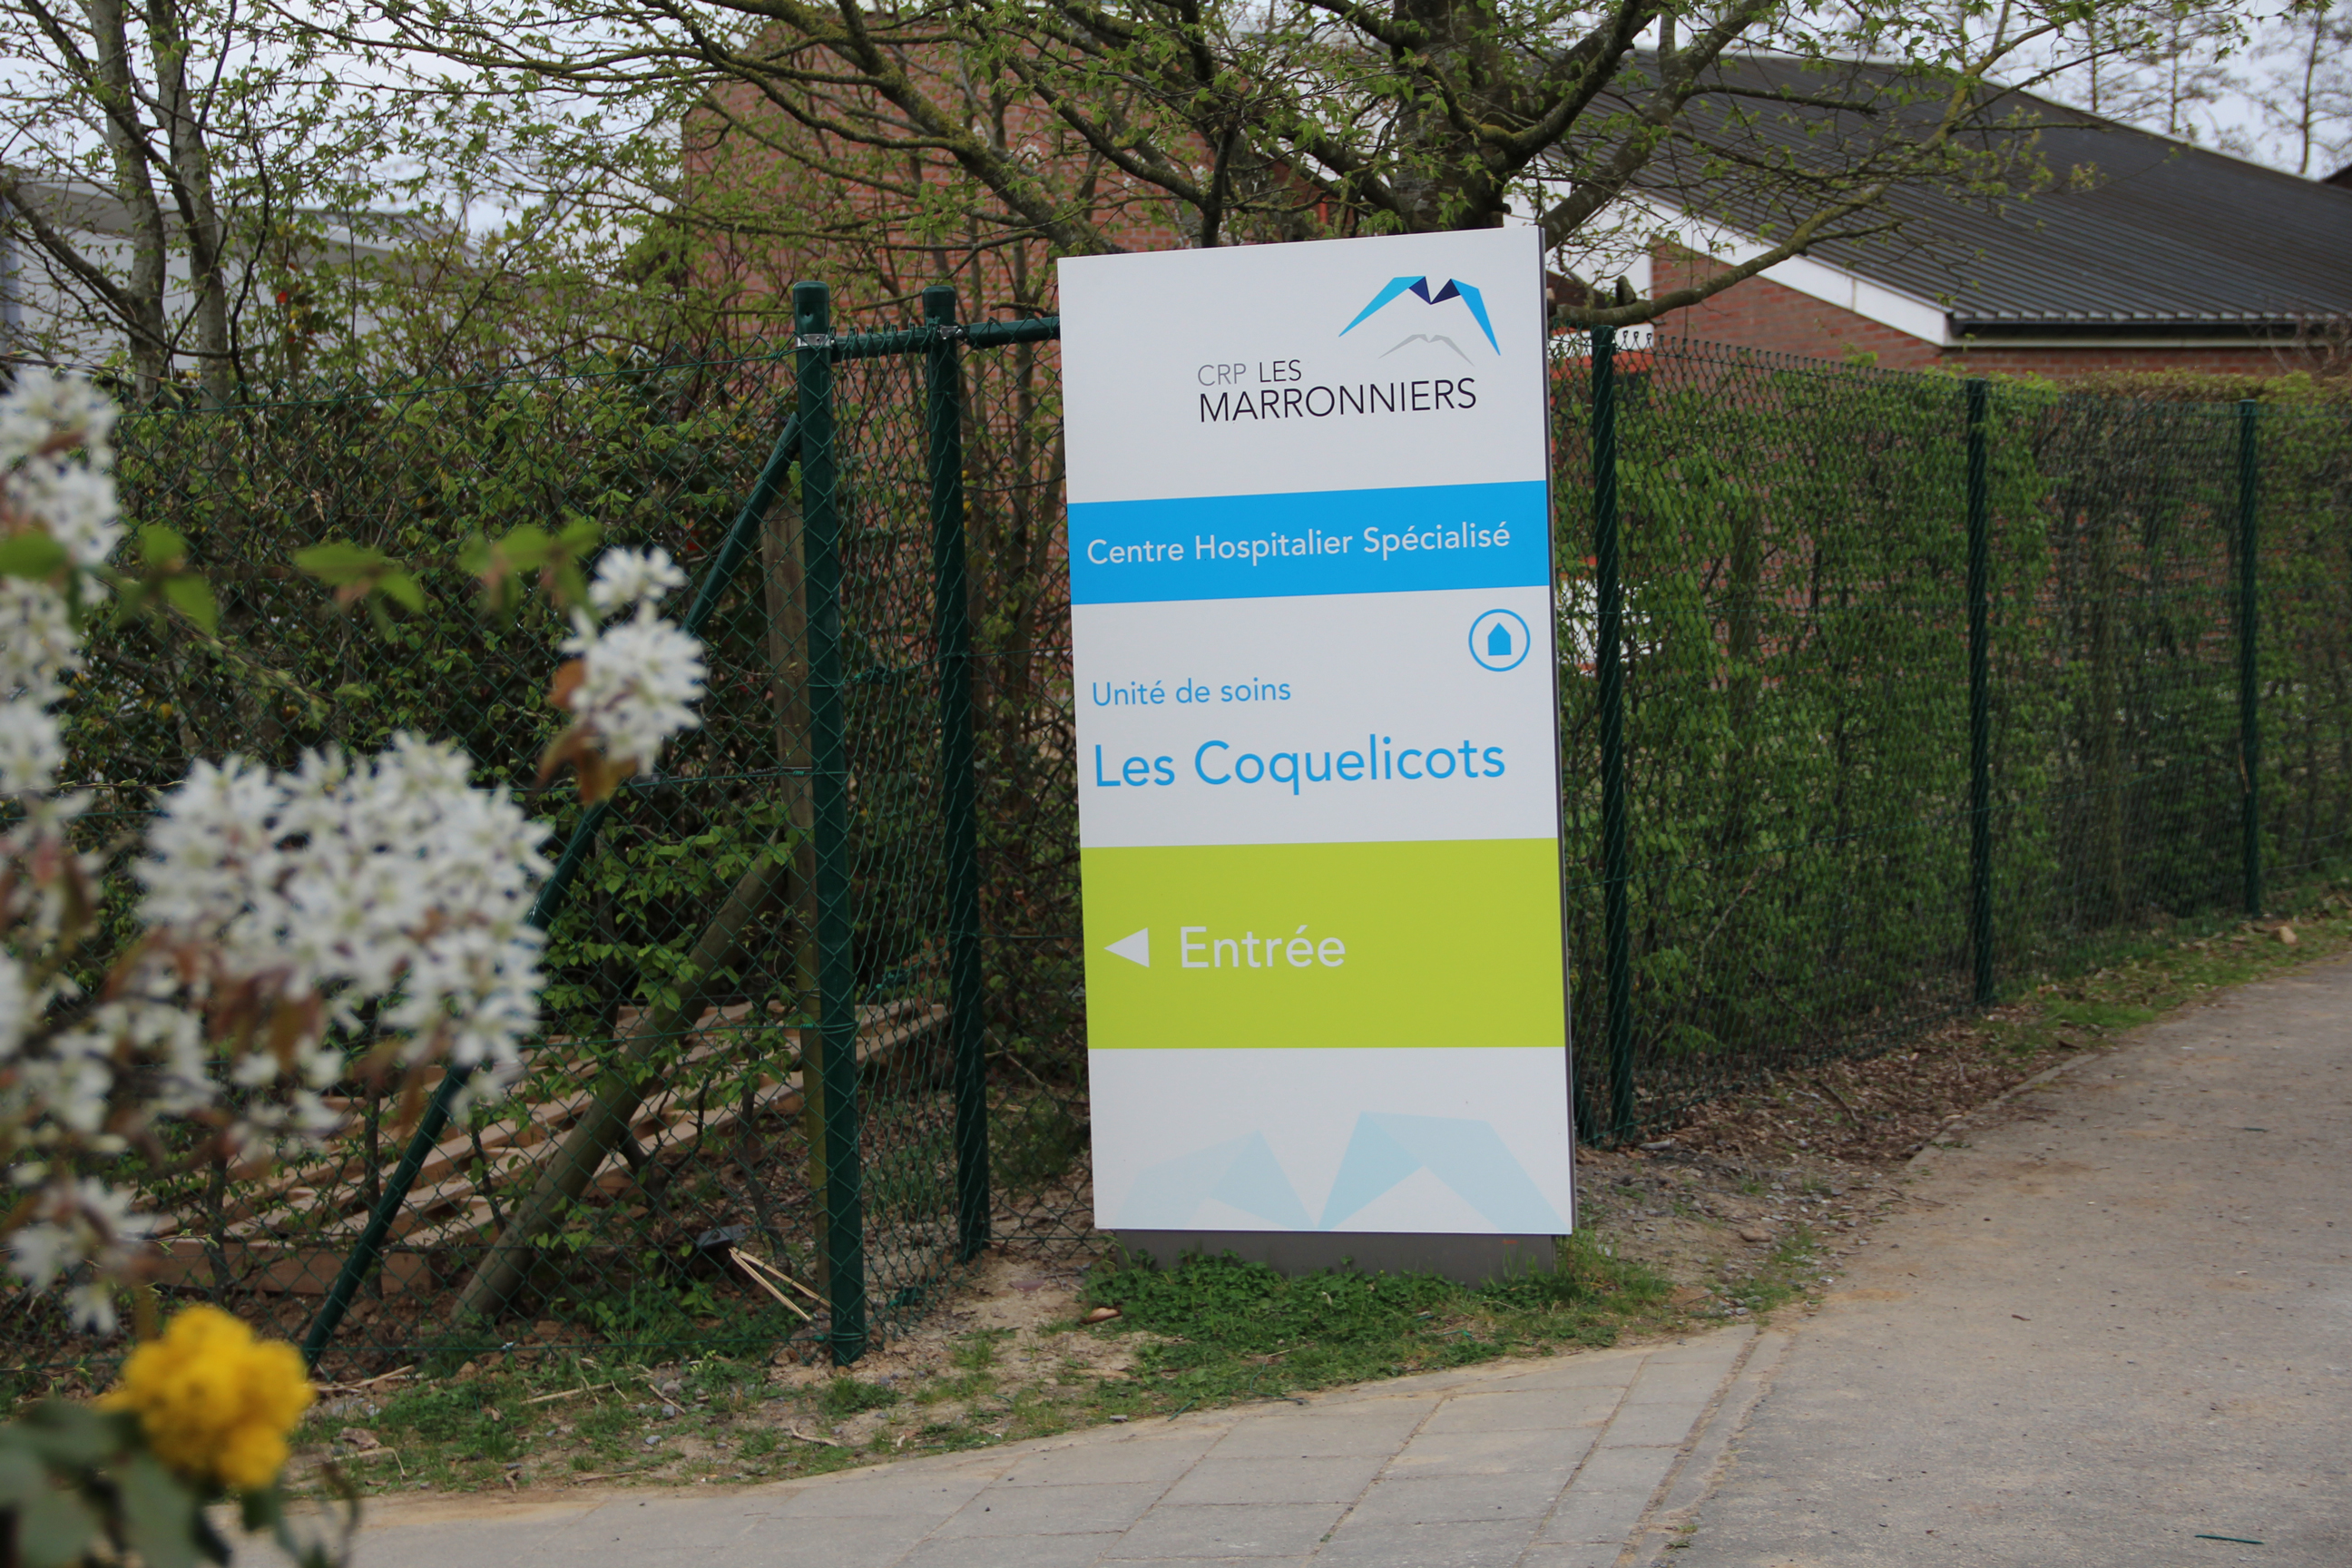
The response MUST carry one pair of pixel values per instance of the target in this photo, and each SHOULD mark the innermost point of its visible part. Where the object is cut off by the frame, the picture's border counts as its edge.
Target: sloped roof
(2135, 232)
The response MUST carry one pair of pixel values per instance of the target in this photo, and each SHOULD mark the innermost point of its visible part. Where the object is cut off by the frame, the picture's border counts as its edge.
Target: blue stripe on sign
(1314, 541)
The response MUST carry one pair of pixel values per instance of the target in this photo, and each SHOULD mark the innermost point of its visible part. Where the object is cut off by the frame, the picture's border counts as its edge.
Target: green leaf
(402, 589)
(341, 564)
(526, 549)
(161, 548)
(263, 1509)
(131, 596)
(570, 587)
(69, 1436)
(193, 597)
(54, 1530)
(22, 1477)
(31, 553)
(159, 1513)
(51, 1526)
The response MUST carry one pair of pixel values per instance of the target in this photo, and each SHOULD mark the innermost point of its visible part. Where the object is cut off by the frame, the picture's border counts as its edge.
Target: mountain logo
(1432, 338)
(1397, 288)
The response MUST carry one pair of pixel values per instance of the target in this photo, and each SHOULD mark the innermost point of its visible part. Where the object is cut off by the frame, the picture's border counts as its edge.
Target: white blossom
(640, 678)
(345, 882)
(639, 675)
(74, 503)
(31, 749)
(16, 1004)
(74, 1221)
(39, 646)
(43, 404)
(627, 578)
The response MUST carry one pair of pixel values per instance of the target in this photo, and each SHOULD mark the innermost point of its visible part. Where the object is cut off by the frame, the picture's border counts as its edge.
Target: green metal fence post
(844, 1221)
(1979, 698)
(1609, 653)
(958, 807)
(2249, 724)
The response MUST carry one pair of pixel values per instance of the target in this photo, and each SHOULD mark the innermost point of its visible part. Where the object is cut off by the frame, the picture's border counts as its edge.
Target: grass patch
(976, 1351)
(2144, 979)
(846, 1396)
(1215, 1329)
(1789, 1272)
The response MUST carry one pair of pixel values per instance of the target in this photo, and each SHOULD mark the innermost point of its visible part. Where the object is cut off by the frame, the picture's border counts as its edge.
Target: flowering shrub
(290, 921)
(375, 907)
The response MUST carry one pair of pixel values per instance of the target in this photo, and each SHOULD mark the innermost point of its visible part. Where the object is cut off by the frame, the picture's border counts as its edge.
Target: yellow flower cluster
(216, 1403)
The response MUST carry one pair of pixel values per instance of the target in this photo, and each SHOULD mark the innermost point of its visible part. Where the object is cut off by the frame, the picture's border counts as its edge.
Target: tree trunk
(191, 177)
(141, 303)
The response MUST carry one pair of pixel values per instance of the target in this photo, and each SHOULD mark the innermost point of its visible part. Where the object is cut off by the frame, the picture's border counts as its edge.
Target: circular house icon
(1499, 640)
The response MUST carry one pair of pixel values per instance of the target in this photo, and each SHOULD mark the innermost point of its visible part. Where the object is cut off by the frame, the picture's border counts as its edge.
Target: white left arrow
(1135, 949)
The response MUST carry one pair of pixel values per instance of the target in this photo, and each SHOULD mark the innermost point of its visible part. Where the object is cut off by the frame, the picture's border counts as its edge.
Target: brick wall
(1762, 314)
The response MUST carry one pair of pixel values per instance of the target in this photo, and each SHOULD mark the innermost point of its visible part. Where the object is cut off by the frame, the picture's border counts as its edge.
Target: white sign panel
(1310, 568)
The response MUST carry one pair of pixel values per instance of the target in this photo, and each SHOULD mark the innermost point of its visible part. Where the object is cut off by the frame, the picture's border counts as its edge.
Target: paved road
(2116, 1324)
(1551, 1467)
(2126, 1329)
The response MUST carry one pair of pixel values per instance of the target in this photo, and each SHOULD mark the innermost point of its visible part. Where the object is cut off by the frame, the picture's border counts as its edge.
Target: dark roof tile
(2151, 234)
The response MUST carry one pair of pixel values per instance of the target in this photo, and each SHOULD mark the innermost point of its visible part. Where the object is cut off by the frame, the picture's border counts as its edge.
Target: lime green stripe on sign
(1288, 945)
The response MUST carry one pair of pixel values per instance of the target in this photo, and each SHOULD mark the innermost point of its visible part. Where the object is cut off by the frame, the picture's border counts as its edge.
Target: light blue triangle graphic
(1394, 287)
(1477, 303)
(1135, 947)
(1373, 1163)
(1465, 1154)
(1241, 1173)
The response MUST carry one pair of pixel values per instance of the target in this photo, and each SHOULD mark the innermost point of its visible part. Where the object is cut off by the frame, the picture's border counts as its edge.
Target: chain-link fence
(1918, 688)
(801, 1057)
(1882, 692)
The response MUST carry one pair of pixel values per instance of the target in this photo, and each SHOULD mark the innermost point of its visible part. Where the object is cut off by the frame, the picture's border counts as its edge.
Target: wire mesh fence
(1881, 693)
(1925, 686)
(758, 1113)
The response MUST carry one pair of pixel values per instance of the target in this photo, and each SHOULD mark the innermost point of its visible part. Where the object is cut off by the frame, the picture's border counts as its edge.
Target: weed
(846, 1396)
(976, 1351)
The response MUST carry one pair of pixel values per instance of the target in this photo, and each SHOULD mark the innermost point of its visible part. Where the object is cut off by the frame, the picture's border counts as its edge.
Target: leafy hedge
(1797, 711)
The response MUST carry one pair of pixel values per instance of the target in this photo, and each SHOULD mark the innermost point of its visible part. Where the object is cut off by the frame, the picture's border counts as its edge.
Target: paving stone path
(1549, 1466)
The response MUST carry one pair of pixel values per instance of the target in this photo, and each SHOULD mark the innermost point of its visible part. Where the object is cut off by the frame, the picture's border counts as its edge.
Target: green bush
(1797, 695)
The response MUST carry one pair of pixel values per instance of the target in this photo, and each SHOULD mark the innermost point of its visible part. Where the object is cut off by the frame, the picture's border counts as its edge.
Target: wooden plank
(278, 1268)
(446, 1205)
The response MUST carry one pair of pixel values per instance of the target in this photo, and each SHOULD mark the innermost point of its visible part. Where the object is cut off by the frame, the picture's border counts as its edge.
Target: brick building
(2141, 253)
